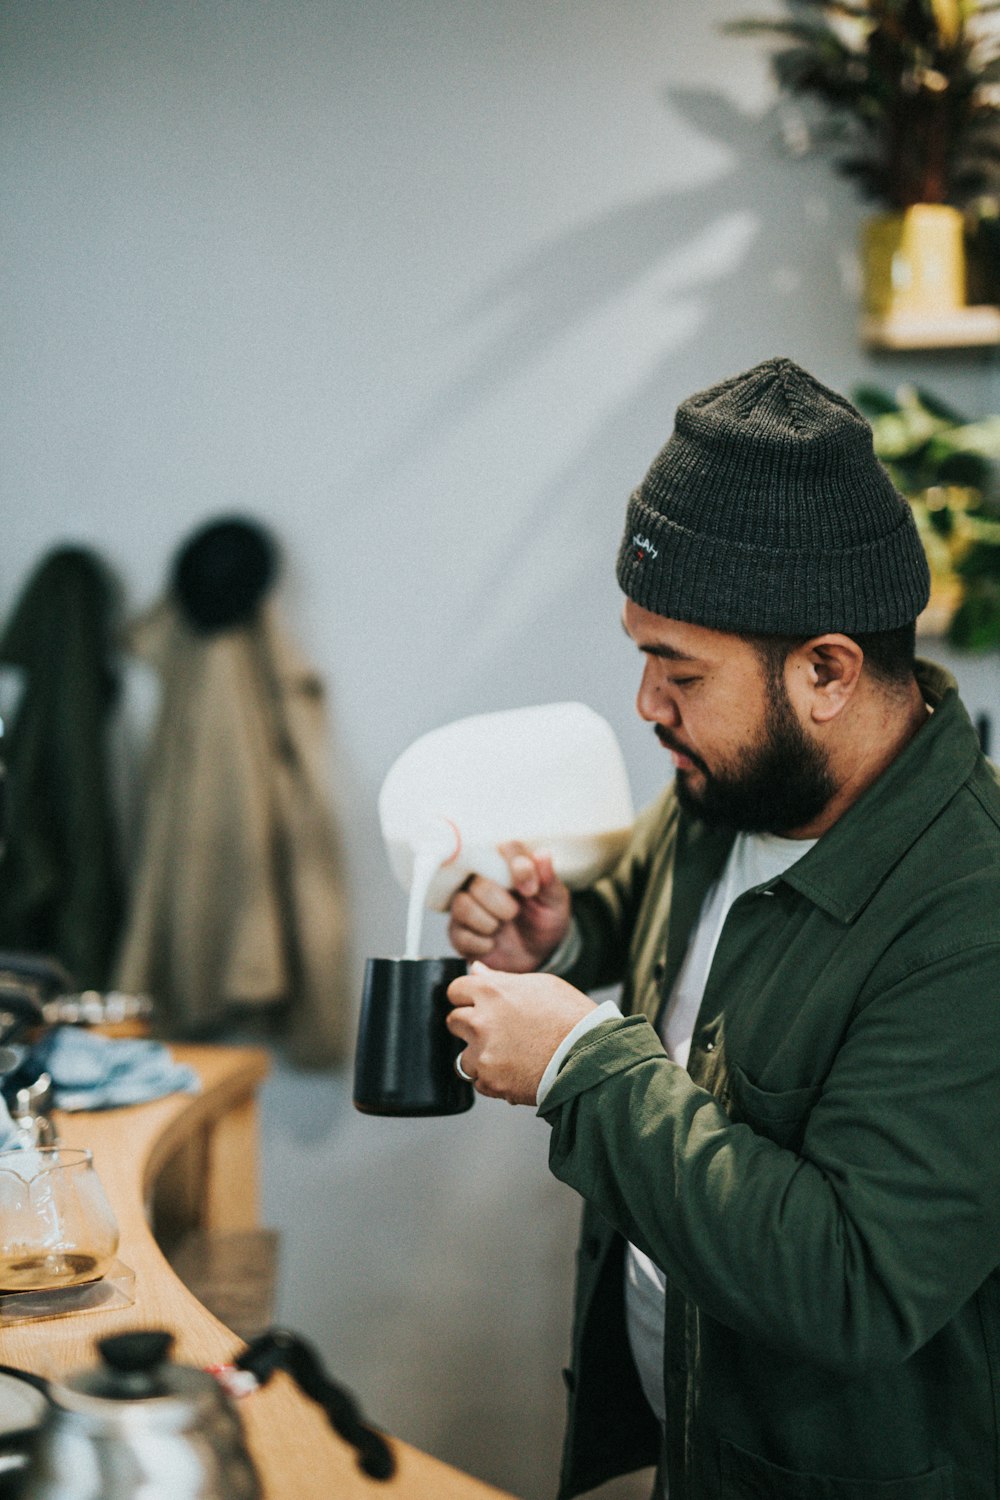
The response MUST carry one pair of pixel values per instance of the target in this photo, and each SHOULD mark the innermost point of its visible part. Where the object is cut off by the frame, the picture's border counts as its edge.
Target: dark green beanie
(768, 512)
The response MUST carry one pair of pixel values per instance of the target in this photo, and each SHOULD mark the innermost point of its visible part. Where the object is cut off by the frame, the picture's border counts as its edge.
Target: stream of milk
(426, 864)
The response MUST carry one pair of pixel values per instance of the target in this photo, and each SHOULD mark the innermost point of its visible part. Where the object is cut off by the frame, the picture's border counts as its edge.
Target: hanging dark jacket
(60, 878)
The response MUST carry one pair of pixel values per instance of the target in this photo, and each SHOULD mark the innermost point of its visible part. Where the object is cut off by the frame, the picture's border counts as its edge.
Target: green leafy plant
(908, 92)
(949, 470)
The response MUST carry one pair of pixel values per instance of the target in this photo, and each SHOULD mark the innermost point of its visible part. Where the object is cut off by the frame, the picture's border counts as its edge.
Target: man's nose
(654, 703)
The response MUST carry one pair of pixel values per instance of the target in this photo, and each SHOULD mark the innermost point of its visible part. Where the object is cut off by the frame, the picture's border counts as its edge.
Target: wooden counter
(203, 1147)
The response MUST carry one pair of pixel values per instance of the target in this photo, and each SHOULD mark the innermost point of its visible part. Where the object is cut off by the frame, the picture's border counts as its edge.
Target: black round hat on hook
(223, 571)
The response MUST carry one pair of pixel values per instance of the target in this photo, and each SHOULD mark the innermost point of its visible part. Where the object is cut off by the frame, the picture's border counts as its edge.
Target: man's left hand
(511, 1025)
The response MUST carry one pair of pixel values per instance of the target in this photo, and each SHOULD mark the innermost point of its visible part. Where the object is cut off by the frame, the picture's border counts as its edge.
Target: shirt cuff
(561, 959)
(606, 1011)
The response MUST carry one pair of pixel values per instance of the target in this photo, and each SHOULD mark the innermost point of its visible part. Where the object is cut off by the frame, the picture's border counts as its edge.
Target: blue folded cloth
(90, 1071)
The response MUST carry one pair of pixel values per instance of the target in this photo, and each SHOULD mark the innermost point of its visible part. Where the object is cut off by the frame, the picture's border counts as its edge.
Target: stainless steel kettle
(139, 1425)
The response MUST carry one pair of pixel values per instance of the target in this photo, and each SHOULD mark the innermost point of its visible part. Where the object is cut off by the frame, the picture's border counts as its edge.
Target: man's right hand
(517, 929)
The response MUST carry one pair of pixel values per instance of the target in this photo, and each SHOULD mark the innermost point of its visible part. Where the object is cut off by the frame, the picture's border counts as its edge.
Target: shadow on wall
(692, 283)
(770, 221)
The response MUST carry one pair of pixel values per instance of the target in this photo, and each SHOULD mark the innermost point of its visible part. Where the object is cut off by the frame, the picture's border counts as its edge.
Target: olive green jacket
(821, 1186)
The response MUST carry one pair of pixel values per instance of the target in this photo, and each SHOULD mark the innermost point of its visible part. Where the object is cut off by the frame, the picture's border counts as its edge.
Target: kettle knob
(134, 1362)
(136, 1351)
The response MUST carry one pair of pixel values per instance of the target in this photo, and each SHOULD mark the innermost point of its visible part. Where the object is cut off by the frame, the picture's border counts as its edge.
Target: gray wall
(420, 285)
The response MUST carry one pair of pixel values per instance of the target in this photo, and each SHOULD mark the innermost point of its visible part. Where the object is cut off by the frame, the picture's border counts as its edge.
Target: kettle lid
(136, 1384)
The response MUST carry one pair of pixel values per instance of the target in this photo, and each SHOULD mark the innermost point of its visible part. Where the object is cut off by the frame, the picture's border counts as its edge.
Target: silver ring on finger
(461, 1071)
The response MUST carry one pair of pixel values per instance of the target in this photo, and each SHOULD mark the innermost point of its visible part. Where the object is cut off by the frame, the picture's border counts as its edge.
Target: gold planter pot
(913, 262)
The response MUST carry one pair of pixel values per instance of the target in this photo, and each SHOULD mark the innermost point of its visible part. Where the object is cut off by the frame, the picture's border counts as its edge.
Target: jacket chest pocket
(746, 1477)
(782, 1116)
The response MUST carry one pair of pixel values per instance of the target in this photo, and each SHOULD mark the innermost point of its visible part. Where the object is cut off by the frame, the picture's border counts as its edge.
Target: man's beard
(777, 784)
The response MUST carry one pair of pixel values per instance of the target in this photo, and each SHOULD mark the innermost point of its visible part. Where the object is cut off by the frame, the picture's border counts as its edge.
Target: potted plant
(948, 468)
(905, 97)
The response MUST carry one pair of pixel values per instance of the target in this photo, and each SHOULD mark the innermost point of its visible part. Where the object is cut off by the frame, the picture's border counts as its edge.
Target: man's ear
(824, 674)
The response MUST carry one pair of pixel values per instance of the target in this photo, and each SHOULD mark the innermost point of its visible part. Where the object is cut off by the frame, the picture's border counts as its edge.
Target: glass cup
(56, 1225)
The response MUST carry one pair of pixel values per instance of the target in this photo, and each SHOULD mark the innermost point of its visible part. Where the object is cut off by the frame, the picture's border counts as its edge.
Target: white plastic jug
(550, 776)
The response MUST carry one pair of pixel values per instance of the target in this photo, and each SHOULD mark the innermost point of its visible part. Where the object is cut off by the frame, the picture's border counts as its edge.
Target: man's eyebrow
(668, 653)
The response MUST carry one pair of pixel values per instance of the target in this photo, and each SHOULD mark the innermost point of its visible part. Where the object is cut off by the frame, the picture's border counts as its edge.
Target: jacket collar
(847, 865)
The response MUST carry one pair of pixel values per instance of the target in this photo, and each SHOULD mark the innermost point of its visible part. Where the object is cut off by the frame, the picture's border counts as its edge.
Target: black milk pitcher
(405, 1058)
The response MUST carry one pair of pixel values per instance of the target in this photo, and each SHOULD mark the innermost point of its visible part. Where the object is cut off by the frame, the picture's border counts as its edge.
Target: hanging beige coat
(238, 900)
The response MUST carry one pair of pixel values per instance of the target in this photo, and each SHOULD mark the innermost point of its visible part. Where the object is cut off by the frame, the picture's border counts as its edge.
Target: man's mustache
(672, 743)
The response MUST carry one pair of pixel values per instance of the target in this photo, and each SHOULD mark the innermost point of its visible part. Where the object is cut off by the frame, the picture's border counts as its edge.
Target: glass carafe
(56, 1224)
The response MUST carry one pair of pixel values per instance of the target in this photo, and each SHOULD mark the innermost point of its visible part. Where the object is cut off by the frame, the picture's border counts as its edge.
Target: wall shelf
(959, 328)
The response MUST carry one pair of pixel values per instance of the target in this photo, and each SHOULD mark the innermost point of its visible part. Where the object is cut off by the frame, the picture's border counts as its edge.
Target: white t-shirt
(755, 859)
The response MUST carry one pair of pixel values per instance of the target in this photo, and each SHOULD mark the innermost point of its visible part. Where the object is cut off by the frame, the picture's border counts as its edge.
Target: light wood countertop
(296, 1453)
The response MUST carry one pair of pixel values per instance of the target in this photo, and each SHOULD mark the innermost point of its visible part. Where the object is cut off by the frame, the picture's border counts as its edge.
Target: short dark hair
(889, 654)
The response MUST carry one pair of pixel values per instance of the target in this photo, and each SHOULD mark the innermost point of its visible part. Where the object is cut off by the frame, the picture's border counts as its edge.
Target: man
(789, 1143)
